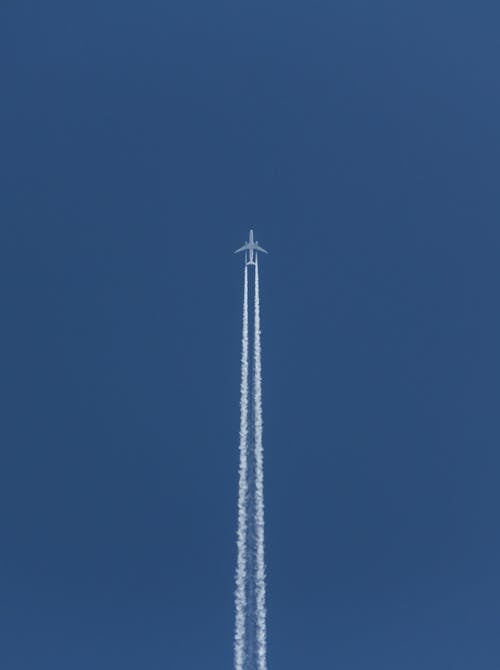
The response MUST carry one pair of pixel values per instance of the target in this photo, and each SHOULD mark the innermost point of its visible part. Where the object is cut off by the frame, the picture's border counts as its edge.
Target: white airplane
(251, 247)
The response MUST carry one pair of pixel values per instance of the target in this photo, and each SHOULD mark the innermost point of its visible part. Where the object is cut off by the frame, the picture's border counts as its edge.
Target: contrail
(240, 641)
(250, 642)
(260, 569)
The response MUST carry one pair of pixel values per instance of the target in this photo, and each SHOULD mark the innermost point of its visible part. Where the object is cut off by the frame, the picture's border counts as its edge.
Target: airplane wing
(261, 249)
(243, 248)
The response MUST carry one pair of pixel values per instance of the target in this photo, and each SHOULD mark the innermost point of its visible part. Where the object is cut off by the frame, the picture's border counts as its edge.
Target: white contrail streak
(240, 641)
(260, 569)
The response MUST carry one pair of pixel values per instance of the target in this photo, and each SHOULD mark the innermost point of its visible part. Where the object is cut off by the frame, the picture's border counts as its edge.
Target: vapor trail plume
(241, 564)
(260, 569)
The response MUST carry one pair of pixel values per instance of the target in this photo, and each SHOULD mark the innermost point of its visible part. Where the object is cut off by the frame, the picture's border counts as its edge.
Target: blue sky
(140, 142)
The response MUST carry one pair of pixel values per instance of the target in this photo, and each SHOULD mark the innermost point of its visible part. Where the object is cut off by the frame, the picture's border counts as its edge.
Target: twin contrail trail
(250, 597)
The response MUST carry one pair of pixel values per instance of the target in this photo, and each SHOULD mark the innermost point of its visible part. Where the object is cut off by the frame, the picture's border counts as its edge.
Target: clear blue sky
(139, 143)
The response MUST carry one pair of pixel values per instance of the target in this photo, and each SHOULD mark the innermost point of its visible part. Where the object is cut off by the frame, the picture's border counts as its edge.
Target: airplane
(251, 247)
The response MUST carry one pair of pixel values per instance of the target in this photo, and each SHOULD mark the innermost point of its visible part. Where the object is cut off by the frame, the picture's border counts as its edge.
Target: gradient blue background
(139, 143)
